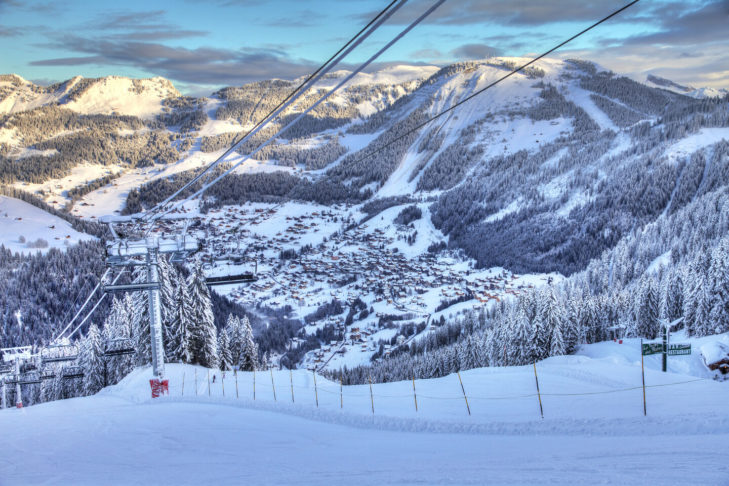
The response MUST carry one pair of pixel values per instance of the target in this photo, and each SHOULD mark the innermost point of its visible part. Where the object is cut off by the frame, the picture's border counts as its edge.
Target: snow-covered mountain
(88, 96)
(556, 170)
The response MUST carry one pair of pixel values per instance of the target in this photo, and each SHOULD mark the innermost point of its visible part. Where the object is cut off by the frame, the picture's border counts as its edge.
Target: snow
(593, 428)
(117, 94)
(105, 95)
(390, 75)
(692, 143)
(662, 260)
(714, 351)
(19, 218)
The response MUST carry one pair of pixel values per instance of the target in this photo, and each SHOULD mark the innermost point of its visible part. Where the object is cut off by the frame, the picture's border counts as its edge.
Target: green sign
(652, 348)
(679, 349)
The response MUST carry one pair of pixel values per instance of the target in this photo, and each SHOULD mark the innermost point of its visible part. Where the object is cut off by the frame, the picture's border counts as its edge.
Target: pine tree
(167, 294)
(140, 321)
(249, 353)
(117, 327)
(234, 329)
(674, 297)
(719, 275)
(557, 346)
(178, 336)
(647, 321)
(226, 360)
(204, 334)
(92, 361)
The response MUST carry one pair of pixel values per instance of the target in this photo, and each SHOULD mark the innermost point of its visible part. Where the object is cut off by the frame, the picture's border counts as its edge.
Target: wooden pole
(183, 383)
(195, 381)
(208, 382)
(642, 373)
(236, 383)
(341, 392)
(254, 384)
(464, 392)
(222, 381)
(291, 377)
(273, 387)
(372, 397)
(316, 392)
(415, 395)
(539, 395)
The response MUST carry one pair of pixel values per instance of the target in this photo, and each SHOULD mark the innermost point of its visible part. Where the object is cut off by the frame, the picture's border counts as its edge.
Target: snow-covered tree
(204, 334)
(140, 321)
(178, 334)
(719, 275)
(226, 360)
(249, 353)
(92, 361)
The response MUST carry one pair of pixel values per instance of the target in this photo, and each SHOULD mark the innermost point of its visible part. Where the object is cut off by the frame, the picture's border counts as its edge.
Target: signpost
(679, 349)
(646, 349)
(652, 348)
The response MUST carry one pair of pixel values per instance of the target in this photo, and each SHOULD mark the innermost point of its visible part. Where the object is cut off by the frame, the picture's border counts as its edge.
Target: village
(303, 256)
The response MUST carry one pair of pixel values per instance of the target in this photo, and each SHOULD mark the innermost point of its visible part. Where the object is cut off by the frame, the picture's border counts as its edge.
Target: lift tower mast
(123, 252)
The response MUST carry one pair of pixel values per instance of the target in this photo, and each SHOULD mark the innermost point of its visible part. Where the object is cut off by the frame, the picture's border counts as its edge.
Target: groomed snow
(593, 429)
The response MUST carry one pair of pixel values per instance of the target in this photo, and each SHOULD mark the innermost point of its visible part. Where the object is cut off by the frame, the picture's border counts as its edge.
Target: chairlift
(57, 353)
(119, 347)
(246, 277)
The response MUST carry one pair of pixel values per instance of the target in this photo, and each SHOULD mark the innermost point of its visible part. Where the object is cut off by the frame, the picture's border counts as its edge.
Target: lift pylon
(122, 252)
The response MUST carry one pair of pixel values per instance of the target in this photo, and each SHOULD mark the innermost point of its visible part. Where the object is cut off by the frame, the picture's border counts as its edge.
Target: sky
(202, 45)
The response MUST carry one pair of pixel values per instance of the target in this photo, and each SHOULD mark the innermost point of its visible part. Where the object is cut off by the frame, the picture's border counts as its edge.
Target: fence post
(236, 383)
(464, 392)
(316, 392)
(195, 381)
(415, 395)
(372, 397)
(183, 383)
(642, 373)
(272, 385)
(341, 392)
(539, 394)
(222, 381)
(291, 376)
(208, 382)
(254, 384)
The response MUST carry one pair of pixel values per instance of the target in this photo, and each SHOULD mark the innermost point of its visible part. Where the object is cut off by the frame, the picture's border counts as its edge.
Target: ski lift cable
(60, 335)
(101, 299)
(305, 112)
(75, 301)
(520, 68)
(335, 59)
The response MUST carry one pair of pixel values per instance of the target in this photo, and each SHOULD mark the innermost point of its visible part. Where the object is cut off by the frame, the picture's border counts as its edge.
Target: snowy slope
(20, 219)
(593, 424)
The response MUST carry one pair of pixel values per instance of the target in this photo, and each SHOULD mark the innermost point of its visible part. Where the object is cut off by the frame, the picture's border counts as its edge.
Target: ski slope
(593, 429)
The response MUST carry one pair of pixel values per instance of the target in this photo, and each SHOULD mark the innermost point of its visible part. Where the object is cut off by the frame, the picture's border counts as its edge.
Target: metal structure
(246, 277)
(122, 253)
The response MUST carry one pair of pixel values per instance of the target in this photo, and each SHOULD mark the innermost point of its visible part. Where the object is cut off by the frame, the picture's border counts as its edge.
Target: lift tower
(122, 252)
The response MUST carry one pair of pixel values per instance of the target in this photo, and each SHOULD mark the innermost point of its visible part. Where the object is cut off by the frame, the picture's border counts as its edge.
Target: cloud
(10, 31)
(474, 51)
(507, 12)
(708, 24)
(204, 65)
(142, 26)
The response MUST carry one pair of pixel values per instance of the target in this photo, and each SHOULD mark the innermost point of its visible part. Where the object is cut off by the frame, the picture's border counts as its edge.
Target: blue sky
(203, 45)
